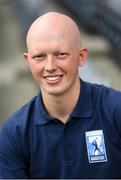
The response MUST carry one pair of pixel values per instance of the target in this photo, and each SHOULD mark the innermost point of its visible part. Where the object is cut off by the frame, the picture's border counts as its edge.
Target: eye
(39, 57)
(62, 55)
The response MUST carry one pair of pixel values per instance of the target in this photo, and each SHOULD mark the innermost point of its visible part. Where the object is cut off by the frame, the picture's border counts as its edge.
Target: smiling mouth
(54, 79)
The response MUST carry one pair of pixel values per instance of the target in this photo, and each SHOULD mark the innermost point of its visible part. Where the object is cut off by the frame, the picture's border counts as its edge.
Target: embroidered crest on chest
(95, 146)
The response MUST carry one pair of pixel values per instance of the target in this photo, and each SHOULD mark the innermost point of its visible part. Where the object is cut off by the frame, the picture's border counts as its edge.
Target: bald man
(53, 135)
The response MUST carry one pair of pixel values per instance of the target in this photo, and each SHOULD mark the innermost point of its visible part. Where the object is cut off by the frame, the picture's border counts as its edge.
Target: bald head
(53, 25)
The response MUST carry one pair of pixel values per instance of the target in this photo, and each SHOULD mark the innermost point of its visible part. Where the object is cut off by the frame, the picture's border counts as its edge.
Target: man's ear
(26, 56)
(83, 56)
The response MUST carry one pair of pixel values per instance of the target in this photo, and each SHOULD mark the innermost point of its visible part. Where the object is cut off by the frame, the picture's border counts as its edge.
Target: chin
(54, 91)
(59, 90)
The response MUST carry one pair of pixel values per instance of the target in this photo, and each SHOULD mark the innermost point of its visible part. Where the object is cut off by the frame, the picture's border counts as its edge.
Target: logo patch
(95, 146)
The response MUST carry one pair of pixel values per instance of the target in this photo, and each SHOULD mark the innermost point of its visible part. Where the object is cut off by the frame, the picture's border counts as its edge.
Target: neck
(62, 106)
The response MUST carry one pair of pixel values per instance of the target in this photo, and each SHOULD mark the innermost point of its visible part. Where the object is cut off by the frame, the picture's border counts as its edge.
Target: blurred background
(100, 26)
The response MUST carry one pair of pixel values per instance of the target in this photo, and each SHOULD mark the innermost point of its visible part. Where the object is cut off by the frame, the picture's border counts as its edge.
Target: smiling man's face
(54, 54)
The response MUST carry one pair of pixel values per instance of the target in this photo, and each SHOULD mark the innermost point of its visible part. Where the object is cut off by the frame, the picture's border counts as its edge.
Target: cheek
(70, 67)
(73, 65)
(37, 74)
(35, 68)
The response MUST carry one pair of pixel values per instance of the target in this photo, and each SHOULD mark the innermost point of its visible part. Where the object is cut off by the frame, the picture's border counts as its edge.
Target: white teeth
(53, 78)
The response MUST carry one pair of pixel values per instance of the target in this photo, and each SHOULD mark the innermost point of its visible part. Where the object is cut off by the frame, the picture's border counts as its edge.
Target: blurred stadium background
(100, 26)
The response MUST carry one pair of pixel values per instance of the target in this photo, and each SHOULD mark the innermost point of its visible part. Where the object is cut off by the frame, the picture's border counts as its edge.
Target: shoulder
(19, 120)
(107, 101)
(14, 139)
(109, 95)
(16, 129)
(104, 97)
(105, 94)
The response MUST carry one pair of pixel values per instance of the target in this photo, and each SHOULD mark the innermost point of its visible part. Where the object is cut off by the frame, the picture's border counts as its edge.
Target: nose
(50, 65)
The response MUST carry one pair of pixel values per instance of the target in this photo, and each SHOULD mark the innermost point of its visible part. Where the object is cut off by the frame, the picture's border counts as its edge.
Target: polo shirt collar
(40, 114)
(83, 108)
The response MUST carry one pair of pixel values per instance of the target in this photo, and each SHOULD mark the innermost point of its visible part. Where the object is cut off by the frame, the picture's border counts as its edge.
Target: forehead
(51, 45)
(51, 40)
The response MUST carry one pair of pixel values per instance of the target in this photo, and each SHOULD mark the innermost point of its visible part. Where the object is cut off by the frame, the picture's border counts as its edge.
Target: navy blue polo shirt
(36, 145)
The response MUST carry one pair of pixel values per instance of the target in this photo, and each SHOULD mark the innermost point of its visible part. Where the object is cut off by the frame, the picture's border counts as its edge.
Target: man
(51, 136)
(96, 144)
